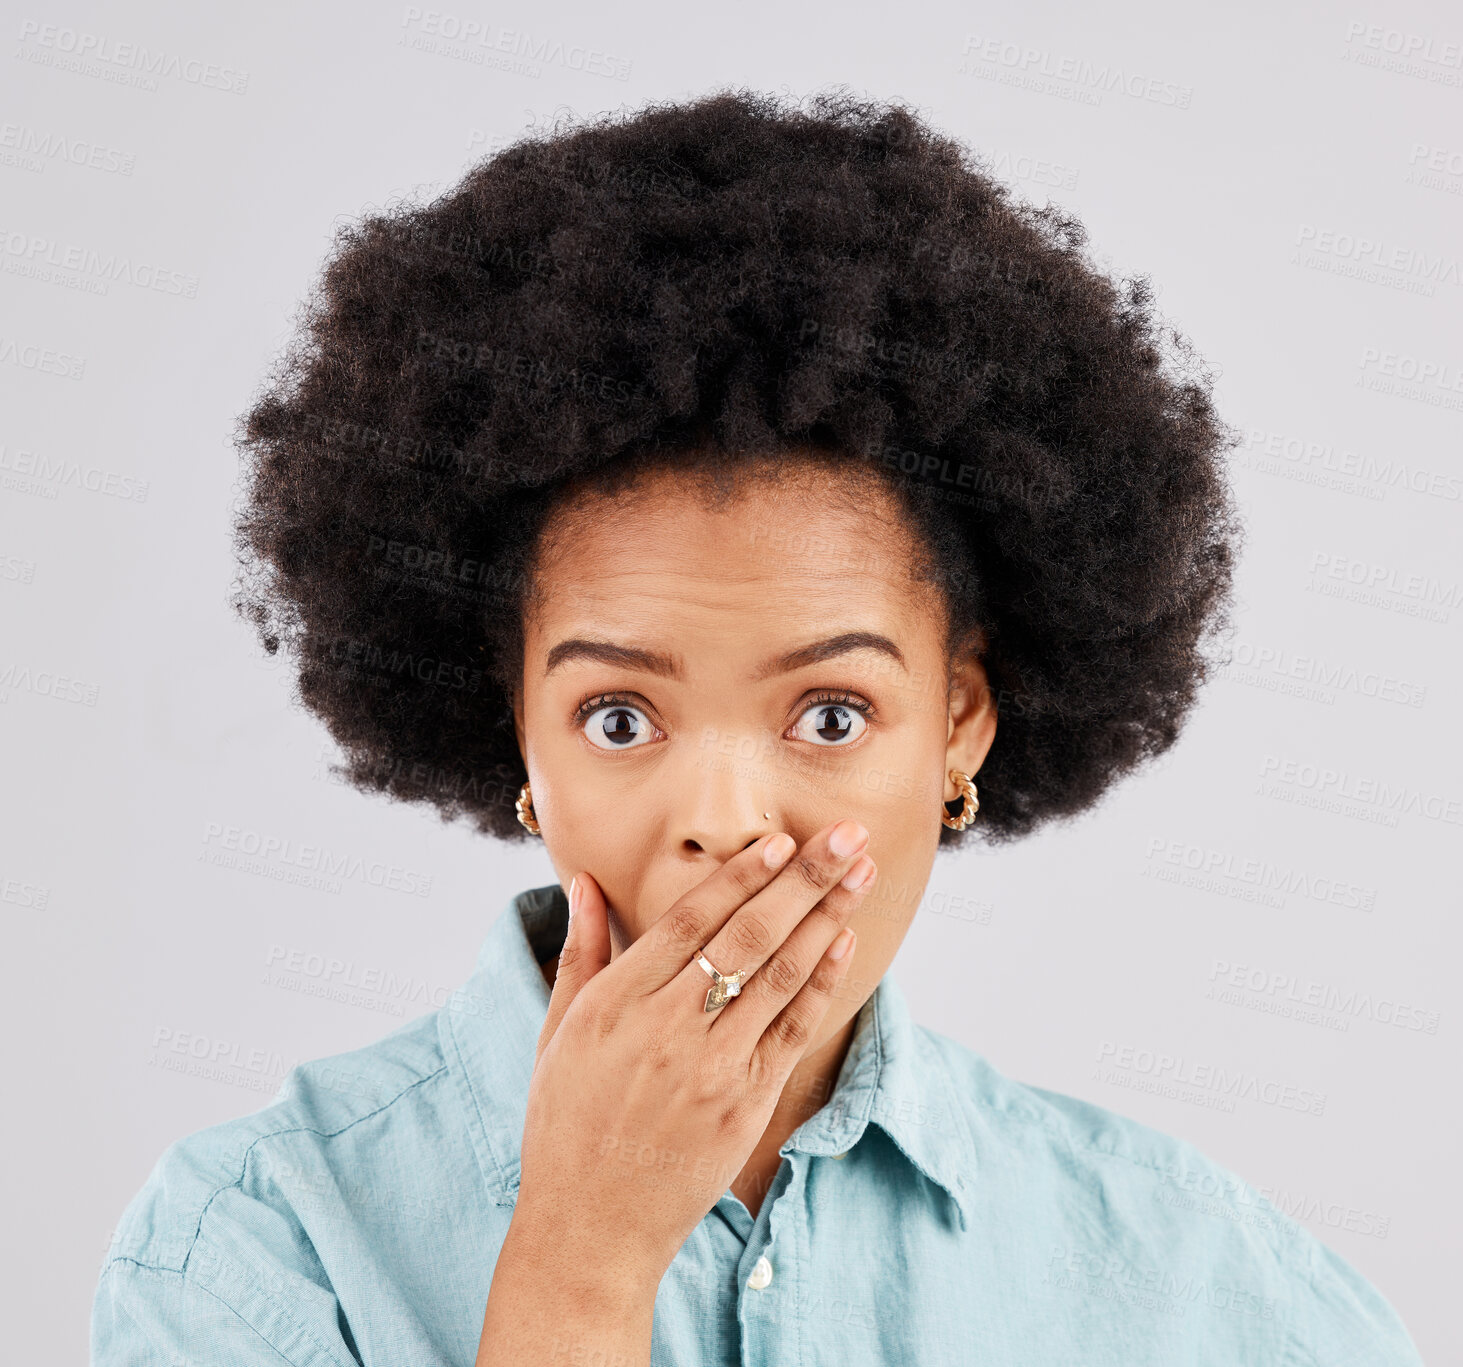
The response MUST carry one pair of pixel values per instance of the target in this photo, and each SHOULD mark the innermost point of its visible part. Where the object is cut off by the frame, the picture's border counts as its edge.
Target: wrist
(548, 1304)
(603, 1274)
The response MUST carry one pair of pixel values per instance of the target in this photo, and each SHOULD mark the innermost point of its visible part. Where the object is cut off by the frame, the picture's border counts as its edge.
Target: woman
(714, 493)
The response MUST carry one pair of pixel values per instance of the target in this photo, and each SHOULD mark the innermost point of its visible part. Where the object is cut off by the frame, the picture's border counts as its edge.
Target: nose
(721, 846)
(722, 820)
(719, 801)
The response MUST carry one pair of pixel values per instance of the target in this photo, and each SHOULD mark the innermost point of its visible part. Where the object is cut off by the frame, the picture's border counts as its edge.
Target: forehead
(812, 543)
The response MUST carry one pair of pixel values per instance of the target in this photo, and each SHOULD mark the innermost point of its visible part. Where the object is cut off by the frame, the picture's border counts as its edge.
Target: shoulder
(1164, 1213)
(231, 1170)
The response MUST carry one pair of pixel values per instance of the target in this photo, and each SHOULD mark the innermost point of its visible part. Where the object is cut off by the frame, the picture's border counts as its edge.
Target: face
(696, 677)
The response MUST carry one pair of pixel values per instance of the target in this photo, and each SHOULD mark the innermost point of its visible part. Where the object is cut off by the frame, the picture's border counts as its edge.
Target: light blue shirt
(933, 1211)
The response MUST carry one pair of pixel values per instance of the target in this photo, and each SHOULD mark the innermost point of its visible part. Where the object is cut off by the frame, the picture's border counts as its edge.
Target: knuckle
(730, 1120)
(764, 1073)
(820, 984)
(749, 934)
(569, 956)
(684, 924)
(780, 977)
(791, 1029)
(746, 881)
(835, 911)
(715, 1075)
(810, 872)
(586, 1021)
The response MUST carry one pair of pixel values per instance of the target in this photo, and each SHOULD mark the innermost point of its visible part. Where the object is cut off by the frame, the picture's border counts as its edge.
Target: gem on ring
(724, 986)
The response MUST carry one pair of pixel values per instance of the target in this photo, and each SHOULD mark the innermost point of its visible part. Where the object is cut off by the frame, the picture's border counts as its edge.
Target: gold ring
(724, 986)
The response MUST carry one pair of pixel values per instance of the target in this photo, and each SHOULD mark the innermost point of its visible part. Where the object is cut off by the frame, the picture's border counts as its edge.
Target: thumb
(586, 950)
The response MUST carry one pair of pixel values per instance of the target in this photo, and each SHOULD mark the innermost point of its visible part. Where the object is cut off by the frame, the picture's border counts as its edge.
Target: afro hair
(737, 276)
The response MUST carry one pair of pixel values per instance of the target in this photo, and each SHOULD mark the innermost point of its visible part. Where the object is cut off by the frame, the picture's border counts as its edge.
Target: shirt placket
(770, 1276)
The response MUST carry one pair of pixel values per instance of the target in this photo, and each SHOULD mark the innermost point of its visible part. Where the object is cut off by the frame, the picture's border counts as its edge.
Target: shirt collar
(893, 1073)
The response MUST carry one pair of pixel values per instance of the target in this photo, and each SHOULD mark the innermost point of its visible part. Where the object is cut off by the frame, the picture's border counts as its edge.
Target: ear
(518, 725)
(972, 725)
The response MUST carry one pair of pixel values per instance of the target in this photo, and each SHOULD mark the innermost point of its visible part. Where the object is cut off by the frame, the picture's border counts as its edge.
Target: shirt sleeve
(209, 1315)
(1346, 1321)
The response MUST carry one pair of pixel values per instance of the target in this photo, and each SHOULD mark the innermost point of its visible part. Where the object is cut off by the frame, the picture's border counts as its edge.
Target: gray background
(1289, 175)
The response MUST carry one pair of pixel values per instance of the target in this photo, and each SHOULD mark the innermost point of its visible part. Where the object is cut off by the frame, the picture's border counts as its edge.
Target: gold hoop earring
(525, 810)
(969, 806)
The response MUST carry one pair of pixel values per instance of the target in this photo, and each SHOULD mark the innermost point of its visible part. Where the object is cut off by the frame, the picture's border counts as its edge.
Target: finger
(658, 956)
(742, 1022)
(757, 929)
(586, 951)
(793, 1030)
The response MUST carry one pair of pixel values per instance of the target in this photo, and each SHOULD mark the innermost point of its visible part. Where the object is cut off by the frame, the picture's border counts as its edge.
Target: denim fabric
(932, 1211)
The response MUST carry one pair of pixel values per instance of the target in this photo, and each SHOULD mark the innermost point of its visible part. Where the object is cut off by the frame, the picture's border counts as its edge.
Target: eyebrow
(667, 666)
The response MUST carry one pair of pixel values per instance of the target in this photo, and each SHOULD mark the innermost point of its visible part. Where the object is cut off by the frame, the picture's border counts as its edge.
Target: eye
(833, 720)
(614, 724)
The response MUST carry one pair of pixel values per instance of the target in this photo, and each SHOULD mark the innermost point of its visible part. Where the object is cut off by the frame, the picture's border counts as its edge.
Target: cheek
(899, 789)
(585, 835)
(902, 807)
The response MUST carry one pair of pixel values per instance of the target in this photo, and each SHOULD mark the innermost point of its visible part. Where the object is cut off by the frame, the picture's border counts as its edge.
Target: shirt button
(761, 1274)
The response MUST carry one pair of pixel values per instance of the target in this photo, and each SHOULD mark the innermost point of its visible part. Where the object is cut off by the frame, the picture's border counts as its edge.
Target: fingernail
(574, 895)
(842, 944)
(856, 877)
(777, 851)
(847, 838)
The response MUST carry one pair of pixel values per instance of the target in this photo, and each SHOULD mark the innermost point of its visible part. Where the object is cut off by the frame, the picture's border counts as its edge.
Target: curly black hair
(737, 276)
